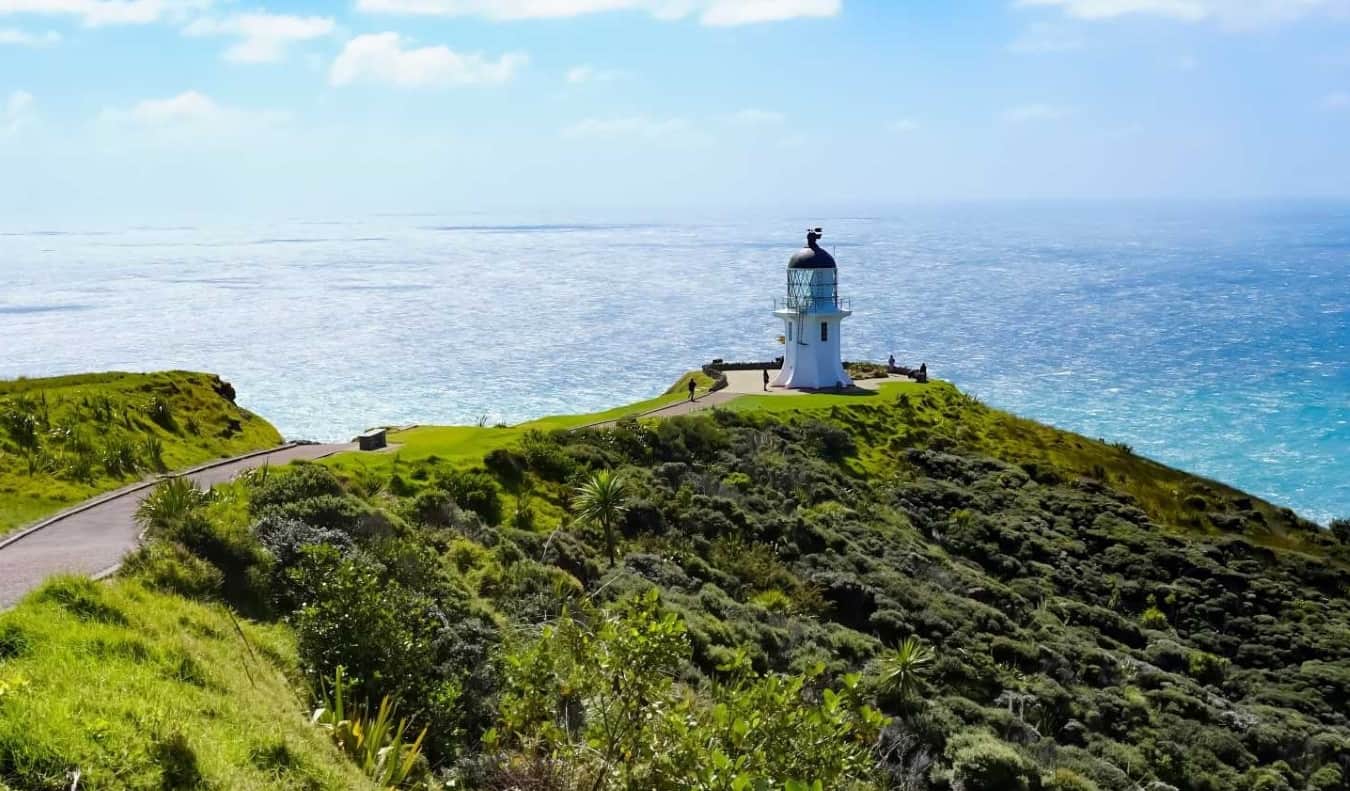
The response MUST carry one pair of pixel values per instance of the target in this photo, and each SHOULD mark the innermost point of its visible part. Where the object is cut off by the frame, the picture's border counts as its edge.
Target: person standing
(691, 388)
(766, 380)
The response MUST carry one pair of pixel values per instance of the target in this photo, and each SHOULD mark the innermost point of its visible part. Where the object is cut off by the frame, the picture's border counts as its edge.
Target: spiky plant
(374, 743)
(169, 503)
(906, 665)
(602, 500)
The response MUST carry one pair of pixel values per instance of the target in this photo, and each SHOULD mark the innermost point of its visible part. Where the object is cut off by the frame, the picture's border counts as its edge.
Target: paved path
(92, 538)
(705, 401)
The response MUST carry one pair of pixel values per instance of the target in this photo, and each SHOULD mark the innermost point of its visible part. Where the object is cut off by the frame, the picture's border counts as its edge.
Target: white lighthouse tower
(812, 312)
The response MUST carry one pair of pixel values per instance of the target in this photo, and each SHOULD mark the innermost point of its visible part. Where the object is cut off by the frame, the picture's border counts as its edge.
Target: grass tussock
(131, 689)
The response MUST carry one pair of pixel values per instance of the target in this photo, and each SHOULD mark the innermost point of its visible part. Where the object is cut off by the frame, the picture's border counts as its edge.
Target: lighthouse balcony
(813, 304)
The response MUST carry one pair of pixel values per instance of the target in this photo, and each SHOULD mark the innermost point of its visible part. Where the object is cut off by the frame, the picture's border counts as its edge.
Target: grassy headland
(65, 439)
(905, 590)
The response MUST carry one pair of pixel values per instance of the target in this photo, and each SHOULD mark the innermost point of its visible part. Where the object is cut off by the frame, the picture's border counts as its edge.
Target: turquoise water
(1215, 338)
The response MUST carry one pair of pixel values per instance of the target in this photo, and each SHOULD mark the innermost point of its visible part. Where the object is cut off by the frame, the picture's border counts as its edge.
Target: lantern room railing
(813, 304)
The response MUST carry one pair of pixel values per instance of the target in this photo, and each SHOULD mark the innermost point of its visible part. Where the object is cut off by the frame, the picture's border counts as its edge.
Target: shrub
(980, 762)
(1328, 778)
(508, 465)
(299, 481)
(333, 512)
(830, 441)
(1153, 618)
(473, 491)
(170, 502)
(358, 618)
(433, 507)
(241, 561)
(1206, 667)
(169, 566)
(1340, 528)
(1068, 780)
(546, 457)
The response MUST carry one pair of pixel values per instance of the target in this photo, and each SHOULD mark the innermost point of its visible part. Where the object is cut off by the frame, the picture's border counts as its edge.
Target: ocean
(1212, 337)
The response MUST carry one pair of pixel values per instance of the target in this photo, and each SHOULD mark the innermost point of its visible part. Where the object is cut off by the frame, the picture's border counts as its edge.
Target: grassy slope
(137, 690)
(98, 406)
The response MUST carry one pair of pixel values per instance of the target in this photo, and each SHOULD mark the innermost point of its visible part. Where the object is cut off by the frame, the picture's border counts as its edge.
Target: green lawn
(66, 439)
(468, 445)
(776, 404)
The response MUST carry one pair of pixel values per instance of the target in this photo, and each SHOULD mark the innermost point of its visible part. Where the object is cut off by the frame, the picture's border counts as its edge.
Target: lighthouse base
(811, 359)
(811, 374)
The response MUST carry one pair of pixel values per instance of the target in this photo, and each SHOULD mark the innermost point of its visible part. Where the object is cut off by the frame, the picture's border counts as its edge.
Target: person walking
(766, 380)
(691, 388)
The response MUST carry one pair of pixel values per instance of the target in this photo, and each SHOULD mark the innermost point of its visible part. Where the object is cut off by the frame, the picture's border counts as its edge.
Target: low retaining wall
(721, 365)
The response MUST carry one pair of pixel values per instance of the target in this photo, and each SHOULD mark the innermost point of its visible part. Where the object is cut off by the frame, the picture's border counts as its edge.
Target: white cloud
(1233, 14)
(1340, 100)
(904, 125)
(190, 117)
(263, 37)
(632, 126)
(381, 57)
(709, 12)
(584, 73)
(1029, 113)
(753, 116)
(746, 12)
(1043, 37)
(15, 113)
(93, 13)
(22, 38)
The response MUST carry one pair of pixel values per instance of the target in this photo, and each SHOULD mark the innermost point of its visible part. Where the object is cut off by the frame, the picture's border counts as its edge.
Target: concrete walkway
(92, 538)
(705, 401)
(751, 382)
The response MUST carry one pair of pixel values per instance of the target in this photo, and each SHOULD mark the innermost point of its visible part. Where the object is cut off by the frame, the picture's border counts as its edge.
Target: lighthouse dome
(812, 256)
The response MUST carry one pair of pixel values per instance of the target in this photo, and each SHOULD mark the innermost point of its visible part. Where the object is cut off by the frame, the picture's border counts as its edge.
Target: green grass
(76, 417)
(467, 445)
(778, 404)
(140, 690)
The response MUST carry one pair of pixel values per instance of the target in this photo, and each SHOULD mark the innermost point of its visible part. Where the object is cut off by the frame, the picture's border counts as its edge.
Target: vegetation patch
(65, 439)
(175, 695)
(905, 590)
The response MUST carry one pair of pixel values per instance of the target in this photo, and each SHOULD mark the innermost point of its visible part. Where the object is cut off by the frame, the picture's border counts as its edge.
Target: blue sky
(151, 107)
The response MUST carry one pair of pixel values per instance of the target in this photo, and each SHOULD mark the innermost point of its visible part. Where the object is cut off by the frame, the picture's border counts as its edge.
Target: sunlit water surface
(1213, 338)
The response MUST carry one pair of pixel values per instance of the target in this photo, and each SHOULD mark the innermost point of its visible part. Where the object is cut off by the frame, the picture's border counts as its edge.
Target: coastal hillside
(65, 439)
(901, 590)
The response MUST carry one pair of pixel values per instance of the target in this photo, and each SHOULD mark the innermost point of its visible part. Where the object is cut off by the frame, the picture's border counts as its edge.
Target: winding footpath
(93, 537)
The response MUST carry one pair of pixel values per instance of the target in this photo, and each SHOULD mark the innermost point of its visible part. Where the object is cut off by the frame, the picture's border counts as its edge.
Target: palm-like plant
(377, 744)
(901, 671)
(602, 500)
(169, 503)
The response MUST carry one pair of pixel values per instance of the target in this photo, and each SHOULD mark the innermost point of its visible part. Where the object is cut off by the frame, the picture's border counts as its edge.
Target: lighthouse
(811, 314)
